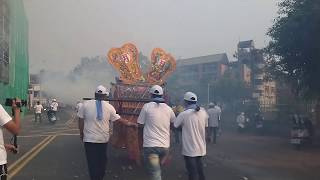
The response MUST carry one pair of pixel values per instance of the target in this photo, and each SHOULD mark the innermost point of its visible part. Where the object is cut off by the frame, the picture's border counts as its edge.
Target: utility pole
(208, 93)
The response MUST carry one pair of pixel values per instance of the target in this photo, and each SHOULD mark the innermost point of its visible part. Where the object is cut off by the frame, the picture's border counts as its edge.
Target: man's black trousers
(194, 167)
(96, 154)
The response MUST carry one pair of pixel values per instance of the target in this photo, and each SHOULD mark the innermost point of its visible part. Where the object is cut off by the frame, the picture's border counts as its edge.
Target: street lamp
(209, 93)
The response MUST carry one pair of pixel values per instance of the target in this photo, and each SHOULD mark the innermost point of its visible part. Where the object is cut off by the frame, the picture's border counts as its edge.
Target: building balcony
(260, 66)
(259, 87)
(259, 76)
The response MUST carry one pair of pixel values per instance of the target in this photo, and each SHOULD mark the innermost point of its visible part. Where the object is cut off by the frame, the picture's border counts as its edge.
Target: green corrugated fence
(18, 52)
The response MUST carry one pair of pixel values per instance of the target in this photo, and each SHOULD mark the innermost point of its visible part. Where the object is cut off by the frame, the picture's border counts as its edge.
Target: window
(36, 94)
(209, 68)
(4, 42)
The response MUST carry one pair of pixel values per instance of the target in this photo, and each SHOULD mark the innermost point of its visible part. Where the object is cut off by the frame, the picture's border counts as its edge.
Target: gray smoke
(81, 82)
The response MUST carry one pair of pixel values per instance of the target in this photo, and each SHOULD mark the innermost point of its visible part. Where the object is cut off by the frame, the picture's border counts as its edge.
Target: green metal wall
(19, 61)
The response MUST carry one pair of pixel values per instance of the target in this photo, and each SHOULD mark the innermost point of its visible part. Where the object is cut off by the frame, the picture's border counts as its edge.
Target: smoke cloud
(81, 82)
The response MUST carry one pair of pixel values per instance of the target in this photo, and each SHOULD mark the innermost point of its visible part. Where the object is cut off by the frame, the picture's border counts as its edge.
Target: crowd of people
(193, 123)
(52, 109)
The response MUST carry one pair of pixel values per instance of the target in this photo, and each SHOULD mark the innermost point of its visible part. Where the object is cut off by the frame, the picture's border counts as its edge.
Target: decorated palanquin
(131, 92)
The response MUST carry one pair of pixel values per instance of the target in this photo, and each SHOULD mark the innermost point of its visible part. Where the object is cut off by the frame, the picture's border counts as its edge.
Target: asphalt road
(50, 152)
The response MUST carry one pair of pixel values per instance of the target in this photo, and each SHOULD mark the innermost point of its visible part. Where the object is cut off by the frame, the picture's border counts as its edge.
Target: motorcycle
(301, 132)
(52, 118)
(299, 137)
(259, 126)
(242, 122)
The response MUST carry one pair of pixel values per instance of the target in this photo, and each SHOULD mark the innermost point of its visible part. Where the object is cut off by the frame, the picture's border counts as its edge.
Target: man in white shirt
(78, 106)
(155, 117)
(241, 121)
(214, 115)
(13, 126)
(94, 117)
(193, 121)
(37, 112)
(219, 131)
(54, 105)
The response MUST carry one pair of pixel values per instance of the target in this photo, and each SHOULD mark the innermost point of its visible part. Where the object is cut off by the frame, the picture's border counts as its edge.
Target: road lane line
(34, 135)
(68, 122)
(47, 129)
(60, 131)
(28, 153)
(26, 158)
(66, 134)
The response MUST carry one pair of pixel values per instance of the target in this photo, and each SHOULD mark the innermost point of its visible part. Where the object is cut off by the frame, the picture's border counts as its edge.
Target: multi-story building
(35, 91)
(195, 74)
(251, 66)
(14, 63)
(207, 68)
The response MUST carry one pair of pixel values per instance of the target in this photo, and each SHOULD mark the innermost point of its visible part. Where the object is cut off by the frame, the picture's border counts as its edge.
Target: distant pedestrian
(94, 117)
(54, 107)
(78, 106)
(155, 118)
(193, 121)
(213, 124)
(241, 121)
(219, 131)
(38, 108)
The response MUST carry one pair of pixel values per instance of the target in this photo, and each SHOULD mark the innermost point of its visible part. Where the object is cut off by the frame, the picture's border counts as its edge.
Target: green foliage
(229, 89)
(295, 46)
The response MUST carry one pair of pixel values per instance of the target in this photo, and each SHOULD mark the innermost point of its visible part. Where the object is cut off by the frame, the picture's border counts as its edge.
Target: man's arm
(81, 121)
(141, 119)
(81, 126)
(115, 117)
(206, 119)
(179, 121)
(13, 126)
(172, 119)
(127, 122)
(11, 148)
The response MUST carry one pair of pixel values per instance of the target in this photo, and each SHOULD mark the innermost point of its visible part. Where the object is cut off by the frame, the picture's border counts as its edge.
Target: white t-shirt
(241, 119)
(193, 132)
(219, 109)
(4, 119)
(214, 114)
(54, 106)
(156, 119)
(38, 108)
(78, 106)
(96, 131)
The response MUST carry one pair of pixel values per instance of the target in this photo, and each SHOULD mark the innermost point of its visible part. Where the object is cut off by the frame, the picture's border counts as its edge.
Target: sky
(63, 31)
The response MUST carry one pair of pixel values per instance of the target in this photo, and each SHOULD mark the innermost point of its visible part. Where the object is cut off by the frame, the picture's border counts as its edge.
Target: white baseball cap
(156, 90)
(101, 90)
(190, 96)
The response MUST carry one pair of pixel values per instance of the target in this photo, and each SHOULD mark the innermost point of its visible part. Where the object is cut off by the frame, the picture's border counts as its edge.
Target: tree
(294, 50)
(229, 89)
